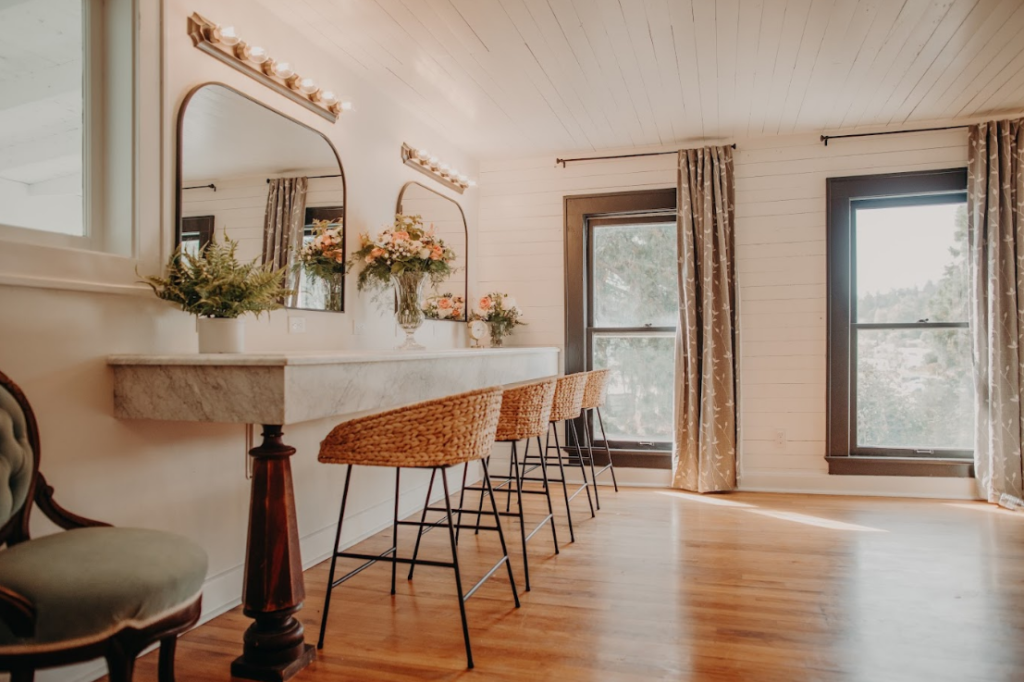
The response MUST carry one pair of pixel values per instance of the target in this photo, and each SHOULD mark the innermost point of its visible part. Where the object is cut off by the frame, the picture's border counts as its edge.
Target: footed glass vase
(408, 312)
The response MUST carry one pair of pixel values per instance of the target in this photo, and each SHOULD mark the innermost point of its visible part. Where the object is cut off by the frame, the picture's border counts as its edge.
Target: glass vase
(408, 312)
(499, 330)
(331, 290)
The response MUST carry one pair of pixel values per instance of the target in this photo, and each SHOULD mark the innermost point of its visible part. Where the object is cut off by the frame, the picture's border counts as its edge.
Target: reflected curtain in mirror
(283, 225)
(705, 401)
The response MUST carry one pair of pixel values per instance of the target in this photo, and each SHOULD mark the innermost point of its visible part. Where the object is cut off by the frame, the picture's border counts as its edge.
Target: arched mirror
(270, 183)
(450, 224)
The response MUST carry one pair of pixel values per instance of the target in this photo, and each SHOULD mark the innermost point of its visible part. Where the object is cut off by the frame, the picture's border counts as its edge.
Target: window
(66, 122)
(901, 397)
(196, 232)
(621, 314)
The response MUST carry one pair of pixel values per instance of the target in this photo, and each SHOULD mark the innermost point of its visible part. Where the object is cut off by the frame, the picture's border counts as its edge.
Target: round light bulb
(328, 97)
(308, 86)
(283, 70)
(433, 162)
(227, 35)
(445, 169)
(462, 178)
(422, 154)
(257, 55)
(347, 106)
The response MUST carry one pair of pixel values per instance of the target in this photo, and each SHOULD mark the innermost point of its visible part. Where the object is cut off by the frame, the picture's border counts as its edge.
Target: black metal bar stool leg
(547, 492)
(590, 454)
(394, 532)
(583, 468)
(501, 537)
(423, 520)
(334, 559)
(608, 450)
(455, 565)
(522, 519)
(561, 470)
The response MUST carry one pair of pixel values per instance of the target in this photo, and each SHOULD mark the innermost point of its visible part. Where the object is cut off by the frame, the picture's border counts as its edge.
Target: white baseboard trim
(772, 481)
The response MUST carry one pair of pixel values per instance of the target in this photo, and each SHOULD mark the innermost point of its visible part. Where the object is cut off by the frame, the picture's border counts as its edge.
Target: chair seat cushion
(87, 584)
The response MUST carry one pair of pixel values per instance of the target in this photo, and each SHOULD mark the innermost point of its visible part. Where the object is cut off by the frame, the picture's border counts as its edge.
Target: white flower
(509, 303)
(424, 253)
(443, 313)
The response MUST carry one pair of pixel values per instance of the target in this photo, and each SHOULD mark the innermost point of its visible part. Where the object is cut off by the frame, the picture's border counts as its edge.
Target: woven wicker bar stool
(525, 411)
(436, 435)
(593, 398)
(565, 407)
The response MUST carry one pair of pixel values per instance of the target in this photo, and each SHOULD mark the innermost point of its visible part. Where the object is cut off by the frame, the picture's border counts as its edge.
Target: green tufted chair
(89, 592)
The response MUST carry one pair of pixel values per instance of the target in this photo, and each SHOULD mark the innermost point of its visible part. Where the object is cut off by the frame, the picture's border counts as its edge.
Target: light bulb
(282, 70)
(257, 55)
(308, 86)
(227, 35)
(434, 162)
(463, 179)
(422, 154)
(444, 169)
(328, 97)
(347, 106)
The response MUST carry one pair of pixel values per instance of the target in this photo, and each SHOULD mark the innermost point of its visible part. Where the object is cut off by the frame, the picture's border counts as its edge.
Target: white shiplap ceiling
(505, 77)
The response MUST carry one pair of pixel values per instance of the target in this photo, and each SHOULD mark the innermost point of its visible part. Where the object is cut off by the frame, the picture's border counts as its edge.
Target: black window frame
(582, 214)
(844, 196)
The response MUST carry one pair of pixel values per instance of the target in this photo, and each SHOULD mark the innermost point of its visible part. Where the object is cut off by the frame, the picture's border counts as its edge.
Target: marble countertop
(291, 358)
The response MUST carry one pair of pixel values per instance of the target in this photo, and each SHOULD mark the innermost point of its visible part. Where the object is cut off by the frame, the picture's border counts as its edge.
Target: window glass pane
(41, 69)
(640, 390)
(634, 276)
(911, 263)
(914, 389)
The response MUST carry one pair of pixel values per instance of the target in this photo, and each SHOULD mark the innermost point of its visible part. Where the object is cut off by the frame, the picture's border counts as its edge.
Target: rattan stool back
(525, 411)
(568, 400)
(442, 432)
(597, 387)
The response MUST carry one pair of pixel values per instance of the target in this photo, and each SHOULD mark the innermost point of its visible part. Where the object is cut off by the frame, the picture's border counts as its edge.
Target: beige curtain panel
(282, 227)
(704, 459)
(995, 202)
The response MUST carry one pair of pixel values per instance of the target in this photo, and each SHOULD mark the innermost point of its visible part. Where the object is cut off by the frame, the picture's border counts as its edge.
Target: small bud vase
(408, 312)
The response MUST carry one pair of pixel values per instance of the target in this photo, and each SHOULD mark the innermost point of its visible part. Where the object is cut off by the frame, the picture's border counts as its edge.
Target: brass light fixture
(424, 162)
(225, 44)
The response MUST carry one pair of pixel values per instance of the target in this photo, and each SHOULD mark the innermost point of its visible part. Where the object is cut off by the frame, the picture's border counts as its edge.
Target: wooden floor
(669, 586)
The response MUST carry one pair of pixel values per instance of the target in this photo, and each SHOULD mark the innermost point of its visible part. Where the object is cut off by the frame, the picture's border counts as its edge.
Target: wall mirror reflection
(268, 182)
(448, 300)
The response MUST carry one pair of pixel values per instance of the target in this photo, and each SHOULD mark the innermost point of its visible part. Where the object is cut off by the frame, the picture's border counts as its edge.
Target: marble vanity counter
(292, 387)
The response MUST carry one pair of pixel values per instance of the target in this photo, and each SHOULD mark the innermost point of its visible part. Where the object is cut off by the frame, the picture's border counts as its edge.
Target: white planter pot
(221, 335)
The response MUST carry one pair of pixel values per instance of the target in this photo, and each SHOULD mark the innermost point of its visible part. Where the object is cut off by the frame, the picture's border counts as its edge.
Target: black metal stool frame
(544, 457)
(391, 554)
(519, 490)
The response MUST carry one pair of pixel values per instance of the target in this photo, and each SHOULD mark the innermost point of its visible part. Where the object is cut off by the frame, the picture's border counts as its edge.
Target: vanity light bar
(423, 161)
(225, 44)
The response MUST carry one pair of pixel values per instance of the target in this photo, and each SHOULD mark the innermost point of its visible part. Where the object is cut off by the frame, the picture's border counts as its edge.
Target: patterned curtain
(704, 459)
(282, 227)
(995, 203)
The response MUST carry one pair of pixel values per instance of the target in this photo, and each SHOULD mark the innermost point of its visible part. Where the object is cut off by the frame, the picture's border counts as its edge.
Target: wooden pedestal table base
(274, 647)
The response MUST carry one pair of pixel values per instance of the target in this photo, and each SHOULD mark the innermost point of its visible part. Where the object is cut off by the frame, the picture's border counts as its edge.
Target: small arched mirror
(268, 182)
(448, 300)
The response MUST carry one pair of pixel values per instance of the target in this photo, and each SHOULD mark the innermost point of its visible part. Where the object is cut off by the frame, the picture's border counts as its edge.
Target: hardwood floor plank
(664, 585)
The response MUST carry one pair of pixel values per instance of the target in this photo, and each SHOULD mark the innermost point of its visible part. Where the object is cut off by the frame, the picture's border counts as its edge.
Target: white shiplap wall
(780, 262)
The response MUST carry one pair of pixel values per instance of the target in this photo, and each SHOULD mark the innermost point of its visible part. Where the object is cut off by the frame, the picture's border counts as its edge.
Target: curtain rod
(618, 156)
(210, 186)
(826, 138)
(312, 177)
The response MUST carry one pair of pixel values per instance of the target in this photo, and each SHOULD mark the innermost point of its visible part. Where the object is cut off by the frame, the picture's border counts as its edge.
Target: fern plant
(213, 283)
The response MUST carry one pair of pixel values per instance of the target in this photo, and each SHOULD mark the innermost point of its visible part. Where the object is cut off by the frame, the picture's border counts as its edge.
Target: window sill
(630, 459)
(900, 466)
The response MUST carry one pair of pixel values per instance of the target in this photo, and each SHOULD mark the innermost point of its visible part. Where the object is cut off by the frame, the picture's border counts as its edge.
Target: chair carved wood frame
(17, 612)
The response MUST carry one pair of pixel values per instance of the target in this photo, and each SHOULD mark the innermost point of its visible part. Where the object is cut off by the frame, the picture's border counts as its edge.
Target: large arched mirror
(450, 224)
(270, 183)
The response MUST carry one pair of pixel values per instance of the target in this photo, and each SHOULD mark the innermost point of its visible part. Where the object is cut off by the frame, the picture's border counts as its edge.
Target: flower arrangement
(212, 283)
(404, 247)
(500, 311)
(324, 256)
(445, 307)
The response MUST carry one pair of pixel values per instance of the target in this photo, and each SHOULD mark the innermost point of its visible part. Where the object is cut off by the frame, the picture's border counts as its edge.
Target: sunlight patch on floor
(815, 521)
(985, 507)
(706, 499)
